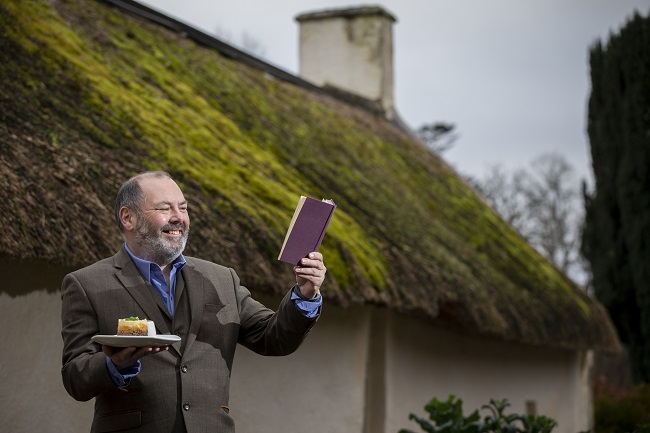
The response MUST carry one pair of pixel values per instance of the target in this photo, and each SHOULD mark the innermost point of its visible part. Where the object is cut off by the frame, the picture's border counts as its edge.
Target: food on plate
(134, 326)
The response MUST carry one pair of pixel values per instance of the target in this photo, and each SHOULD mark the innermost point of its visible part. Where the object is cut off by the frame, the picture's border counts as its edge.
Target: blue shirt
(152, 273)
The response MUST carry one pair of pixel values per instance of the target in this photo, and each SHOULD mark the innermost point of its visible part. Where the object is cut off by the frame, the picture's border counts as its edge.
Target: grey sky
(512, 75)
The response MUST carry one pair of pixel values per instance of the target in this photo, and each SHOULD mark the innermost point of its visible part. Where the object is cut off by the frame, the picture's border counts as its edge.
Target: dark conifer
(616, 239)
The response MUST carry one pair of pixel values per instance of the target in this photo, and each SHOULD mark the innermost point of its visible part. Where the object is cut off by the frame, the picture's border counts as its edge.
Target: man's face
(163, 224)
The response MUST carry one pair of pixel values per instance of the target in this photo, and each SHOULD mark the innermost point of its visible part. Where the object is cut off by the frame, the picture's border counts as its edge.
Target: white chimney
(350, 49)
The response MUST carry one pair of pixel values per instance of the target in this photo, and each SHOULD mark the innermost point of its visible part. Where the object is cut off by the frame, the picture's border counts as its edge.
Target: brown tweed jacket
(187, 387)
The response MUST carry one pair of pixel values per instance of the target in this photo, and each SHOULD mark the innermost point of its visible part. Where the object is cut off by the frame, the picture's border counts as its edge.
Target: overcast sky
(512, 75)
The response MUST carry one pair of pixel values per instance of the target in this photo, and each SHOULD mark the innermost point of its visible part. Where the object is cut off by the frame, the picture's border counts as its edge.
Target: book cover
(307, 229)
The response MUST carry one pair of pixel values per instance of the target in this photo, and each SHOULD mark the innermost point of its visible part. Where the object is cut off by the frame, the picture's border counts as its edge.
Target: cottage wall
(319, 388)
(362, 369)
(425, 361)
(33, 398)
(420, 361)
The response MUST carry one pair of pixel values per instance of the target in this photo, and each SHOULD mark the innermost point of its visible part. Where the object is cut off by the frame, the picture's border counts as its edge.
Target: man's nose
(176, 215)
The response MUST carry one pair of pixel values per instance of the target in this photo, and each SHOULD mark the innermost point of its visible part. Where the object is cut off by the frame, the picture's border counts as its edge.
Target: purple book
(307, 229)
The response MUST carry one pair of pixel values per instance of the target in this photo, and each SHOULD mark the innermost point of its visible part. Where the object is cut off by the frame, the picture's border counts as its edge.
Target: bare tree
(555, 212)
(248, 42)
(252, 45)
(224, 34)
(544, 205)
(502, 192)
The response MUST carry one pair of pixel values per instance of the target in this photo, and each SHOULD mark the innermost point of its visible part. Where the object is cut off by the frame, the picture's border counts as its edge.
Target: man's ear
(127, 218)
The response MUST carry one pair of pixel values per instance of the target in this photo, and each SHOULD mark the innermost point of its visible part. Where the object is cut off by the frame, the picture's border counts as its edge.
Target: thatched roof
(91, 95)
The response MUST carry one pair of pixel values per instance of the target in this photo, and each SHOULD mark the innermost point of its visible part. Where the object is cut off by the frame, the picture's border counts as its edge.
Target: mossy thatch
(91, 95)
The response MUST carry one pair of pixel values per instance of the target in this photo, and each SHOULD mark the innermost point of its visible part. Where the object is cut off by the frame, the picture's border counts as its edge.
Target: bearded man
(183, 387)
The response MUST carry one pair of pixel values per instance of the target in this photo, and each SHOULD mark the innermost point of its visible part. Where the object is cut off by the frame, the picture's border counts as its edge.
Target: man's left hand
(310, 274)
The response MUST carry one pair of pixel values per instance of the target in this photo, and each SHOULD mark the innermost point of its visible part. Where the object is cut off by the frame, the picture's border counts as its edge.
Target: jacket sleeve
(84, 370)
(267, 332)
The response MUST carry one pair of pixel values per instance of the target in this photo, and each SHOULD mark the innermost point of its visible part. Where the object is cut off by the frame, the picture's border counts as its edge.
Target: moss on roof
(91, 95)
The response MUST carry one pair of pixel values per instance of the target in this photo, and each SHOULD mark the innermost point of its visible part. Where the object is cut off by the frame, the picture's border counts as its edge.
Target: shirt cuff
(308, 307)
(123, 376)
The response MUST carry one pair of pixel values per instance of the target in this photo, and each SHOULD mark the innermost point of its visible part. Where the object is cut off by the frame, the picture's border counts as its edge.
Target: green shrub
(447, 417)
(629, 412)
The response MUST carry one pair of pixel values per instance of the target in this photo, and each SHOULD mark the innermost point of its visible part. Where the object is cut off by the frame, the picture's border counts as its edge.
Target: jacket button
(186, 407)
(184, 369)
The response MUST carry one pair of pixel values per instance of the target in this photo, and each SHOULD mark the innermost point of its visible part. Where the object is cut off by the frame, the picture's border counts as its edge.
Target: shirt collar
(144, 266)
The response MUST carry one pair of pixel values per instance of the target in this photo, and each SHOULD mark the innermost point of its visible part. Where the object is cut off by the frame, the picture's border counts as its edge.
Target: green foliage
(447, 417)
(615, 238)
(629, 412)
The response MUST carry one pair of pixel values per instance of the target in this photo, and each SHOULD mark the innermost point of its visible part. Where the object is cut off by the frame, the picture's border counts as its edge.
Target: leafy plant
(447, 417)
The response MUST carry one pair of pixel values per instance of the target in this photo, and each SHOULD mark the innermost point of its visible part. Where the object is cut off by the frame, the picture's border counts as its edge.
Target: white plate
(136, 341)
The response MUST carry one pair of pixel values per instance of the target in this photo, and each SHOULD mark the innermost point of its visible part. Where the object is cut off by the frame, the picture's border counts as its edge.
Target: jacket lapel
(135, 284)
(194, 288)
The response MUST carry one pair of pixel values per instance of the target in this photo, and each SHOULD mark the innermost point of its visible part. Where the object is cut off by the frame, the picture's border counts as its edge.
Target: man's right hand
(123, 357)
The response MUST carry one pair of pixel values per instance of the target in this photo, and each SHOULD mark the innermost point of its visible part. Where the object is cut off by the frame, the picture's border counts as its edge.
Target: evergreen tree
(616, 239)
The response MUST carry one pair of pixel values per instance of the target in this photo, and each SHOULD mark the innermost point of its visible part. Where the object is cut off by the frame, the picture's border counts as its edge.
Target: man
(183, 387)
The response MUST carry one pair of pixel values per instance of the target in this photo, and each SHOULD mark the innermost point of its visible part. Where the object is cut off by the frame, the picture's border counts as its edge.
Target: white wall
(320, 388)
(325, 377)
(426, 362)
(33, 398)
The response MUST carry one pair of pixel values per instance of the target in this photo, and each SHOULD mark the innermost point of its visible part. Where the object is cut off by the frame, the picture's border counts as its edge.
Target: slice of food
(132, 326)
(152, 328)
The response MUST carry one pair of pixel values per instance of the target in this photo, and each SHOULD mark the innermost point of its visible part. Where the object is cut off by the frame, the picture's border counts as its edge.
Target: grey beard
(157, 250)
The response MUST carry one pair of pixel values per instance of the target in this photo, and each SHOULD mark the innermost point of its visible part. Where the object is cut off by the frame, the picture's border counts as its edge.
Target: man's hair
(130, 194)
